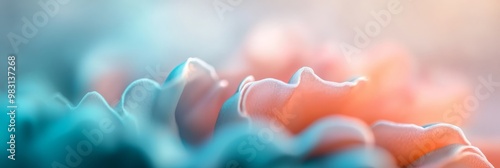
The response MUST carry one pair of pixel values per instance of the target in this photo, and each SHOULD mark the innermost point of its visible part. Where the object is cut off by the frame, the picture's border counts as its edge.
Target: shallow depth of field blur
(148, 38)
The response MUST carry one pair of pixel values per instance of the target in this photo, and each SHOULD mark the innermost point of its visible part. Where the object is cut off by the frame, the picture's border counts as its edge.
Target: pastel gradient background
(104, 45)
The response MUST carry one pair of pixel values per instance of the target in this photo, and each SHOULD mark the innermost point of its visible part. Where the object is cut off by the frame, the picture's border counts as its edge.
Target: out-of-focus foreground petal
(490, 147)
(333, 140)
(437, 144)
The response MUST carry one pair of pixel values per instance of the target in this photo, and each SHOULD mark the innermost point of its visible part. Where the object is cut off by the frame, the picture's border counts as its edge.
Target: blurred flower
(395, 92)
(178, 124)
(307, 99)
(436, 145)
(191, 120)
(389, 90)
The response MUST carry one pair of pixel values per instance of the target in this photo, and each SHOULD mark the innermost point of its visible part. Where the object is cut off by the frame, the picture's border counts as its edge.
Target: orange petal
(453, 156)
(408, 142)
(298, 104)
(490, 147)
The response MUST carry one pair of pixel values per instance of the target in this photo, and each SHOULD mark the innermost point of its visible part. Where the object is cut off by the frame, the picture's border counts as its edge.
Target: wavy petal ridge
(272, 99)
(409, 143)
(453, 156)
(303, 120)
(193, 82)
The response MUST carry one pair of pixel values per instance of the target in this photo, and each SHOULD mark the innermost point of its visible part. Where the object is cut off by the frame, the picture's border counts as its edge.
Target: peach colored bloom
(387, 88)
(183, 123)
(313, 120)
(437, 145)
(307, 99)
(395, 92)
